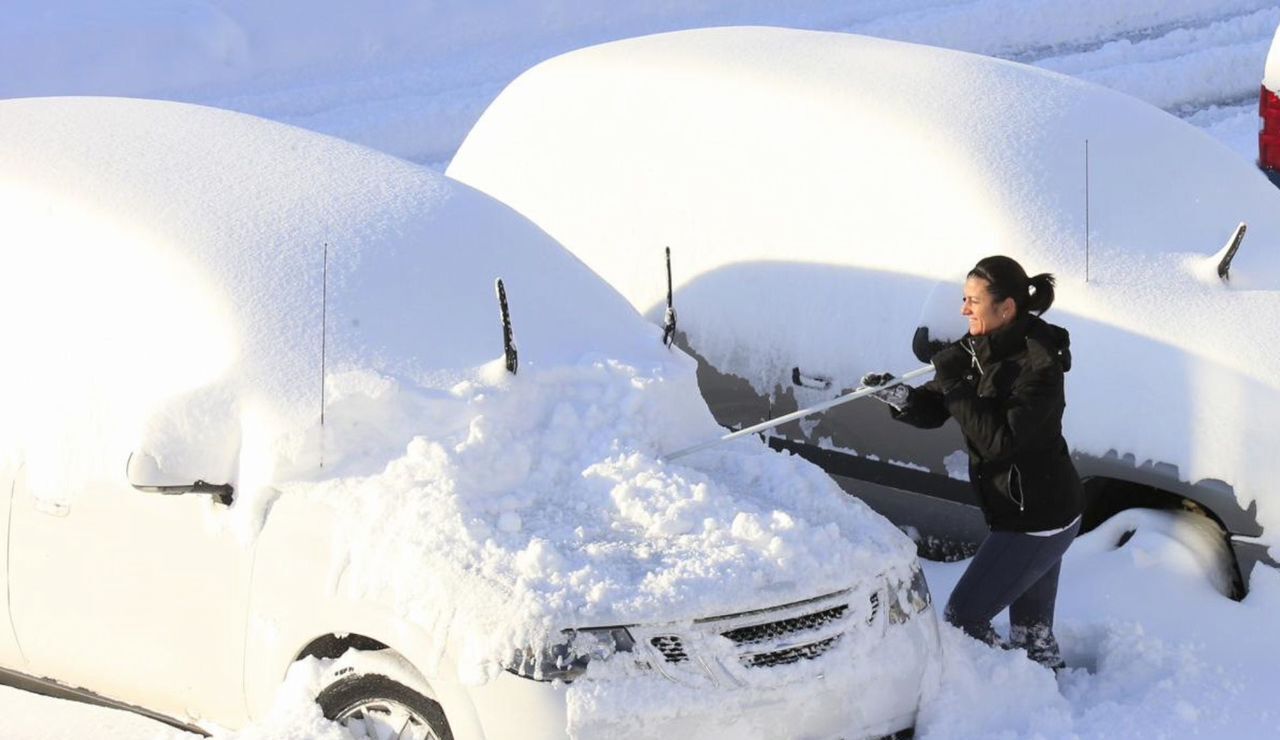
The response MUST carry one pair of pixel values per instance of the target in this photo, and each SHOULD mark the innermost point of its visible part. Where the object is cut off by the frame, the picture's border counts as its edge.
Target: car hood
(539, 502)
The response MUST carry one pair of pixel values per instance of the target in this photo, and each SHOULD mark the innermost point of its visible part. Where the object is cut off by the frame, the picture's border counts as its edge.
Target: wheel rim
(385, 719)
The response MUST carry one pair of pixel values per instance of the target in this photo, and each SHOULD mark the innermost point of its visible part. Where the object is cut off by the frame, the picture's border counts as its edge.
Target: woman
(1002, 382)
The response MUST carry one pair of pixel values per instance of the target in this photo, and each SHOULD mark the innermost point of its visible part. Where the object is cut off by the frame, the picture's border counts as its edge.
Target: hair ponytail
(1041, 293)
(1006, 279)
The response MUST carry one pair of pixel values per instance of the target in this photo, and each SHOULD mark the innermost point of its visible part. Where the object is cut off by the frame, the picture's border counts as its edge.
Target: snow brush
(771, 423)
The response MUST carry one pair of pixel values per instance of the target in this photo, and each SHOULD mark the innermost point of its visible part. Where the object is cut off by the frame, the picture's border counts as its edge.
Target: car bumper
(879, 694)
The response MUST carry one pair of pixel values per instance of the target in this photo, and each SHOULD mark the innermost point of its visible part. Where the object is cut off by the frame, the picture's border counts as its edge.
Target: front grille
(790, 655)
(716, 648)
(758, 633)
(671, 647)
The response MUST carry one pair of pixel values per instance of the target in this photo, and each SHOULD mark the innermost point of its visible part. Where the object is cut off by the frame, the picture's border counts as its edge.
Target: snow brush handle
(771, 423)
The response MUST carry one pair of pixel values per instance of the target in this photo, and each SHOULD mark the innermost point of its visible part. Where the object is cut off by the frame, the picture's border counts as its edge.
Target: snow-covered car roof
(227, 225)
(250, 208)
(814, 187)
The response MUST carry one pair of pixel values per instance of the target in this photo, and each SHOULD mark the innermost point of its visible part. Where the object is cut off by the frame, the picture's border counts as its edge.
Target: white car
(261, 403)
(814, 189)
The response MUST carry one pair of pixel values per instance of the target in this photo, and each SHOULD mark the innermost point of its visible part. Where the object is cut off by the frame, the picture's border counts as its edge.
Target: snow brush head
(940, 323)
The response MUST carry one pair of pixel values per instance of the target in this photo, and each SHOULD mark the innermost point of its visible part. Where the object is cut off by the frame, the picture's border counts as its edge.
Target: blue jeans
(1018, 571)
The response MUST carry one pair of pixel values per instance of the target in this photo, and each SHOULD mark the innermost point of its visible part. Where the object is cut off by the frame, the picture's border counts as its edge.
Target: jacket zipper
(1022, 497)
(973, 353)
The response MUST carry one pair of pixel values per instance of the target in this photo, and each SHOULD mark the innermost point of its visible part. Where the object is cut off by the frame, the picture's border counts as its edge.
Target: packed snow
(1154, 650)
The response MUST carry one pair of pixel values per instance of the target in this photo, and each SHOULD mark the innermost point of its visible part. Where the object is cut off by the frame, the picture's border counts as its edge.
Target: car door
(139, 597)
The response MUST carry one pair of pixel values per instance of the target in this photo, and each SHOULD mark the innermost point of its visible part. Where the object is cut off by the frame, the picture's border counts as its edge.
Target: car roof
(926, 155)
(821, 170)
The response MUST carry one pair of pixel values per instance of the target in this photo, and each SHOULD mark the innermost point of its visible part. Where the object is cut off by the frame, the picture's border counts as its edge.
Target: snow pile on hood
(814, 187)
(538, 503)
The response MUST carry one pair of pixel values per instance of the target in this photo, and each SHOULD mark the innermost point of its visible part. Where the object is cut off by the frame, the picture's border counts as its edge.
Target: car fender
(296, 600)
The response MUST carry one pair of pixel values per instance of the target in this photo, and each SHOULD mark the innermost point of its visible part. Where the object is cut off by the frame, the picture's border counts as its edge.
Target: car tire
(370, 705)
(1197, 532)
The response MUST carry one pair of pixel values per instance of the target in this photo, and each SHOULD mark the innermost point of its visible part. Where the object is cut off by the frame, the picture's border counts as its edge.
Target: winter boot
(1040, 644)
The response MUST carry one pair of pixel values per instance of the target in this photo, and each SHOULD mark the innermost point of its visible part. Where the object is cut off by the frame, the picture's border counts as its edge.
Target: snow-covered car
(816, 188)
(262, 404)
(1269, 113)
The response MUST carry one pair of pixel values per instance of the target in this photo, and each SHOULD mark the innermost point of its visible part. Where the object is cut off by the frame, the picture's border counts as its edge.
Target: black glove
(952, 363)
(896, 396)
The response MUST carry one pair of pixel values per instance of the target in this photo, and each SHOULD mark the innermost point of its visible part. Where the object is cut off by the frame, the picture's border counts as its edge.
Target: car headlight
(567, 658)
(908, 599)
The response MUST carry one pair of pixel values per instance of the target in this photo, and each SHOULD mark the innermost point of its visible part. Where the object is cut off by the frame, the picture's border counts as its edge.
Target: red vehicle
(1269, 113)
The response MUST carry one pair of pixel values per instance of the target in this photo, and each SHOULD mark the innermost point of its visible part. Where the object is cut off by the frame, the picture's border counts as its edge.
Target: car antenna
(1233, 244)
(324, 322)
(669, 320)
(1086, 211)
(508, 339)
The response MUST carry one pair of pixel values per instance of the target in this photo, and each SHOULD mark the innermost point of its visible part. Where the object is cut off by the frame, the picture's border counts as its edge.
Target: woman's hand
(896, 396)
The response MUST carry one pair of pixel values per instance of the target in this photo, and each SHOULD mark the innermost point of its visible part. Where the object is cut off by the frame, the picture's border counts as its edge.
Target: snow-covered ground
(1156, 652)
(410, 79)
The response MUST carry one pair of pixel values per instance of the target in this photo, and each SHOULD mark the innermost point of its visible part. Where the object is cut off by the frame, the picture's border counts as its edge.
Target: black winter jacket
(1009, 405)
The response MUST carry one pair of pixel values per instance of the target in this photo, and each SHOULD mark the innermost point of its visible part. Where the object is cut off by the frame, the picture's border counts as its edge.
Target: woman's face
(985, 314)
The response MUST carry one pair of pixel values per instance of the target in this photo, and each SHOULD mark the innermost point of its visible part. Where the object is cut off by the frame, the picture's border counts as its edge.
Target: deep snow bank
(1153, 650)
(814, 187)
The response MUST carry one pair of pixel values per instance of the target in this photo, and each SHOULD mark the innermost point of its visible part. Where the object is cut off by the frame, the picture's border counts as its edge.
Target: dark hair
(1006, 279)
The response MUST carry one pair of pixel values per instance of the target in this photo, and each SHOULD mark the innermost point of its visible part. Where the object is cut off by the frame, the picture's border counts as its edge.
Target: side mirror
(144, 474)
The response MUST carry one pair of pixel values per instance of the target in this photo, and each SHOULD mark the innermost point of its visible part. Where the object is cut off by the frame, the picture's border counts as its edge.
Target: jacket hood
(1051, 339)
